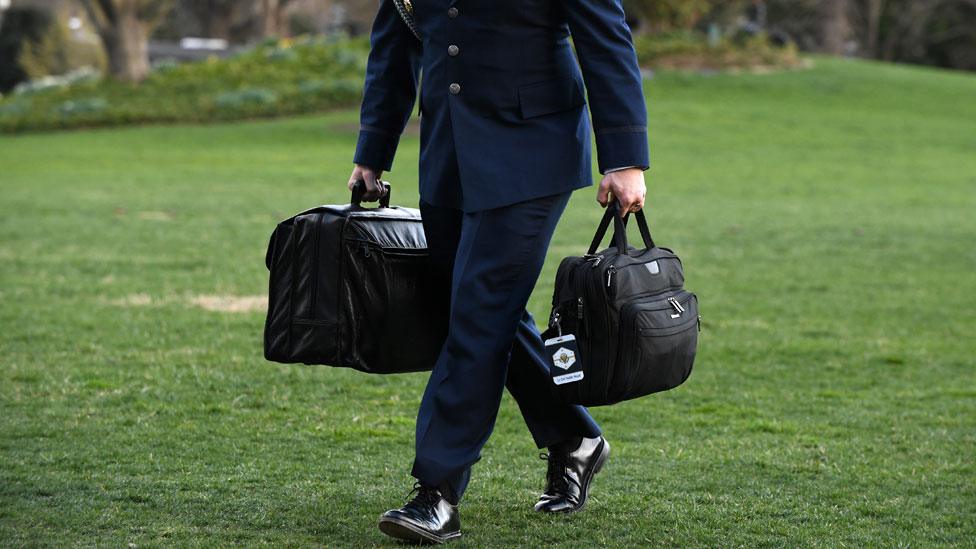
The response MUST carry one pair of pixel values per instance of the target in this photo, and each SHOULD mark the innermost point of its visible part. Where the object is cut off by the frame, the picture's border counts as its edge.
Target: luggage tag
(567, 366)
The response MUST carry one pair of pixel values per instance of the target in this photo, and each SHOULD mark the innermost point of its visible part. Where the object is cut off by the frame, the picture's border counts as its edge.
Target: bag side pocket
(658, 345)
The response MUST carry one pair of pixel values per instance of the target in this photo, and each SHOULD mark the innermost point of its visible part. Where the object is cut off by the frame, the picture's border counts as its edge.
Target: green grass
(825, 218)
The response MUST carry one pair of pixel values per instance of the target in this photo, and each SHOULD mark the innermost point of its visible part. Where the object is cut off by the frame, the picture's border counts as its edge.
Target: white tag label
(567, 378)
(564, 353)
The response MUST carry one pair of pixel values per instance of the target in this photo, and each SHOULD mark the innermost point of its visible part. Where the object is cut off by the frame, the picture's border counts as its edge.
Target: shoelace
(427, 496)
(556, 478)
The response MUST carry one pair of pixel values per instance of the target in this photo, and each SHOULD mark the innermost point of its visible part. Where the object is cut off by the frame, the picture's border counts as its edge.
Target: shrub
(83, 106)
(691, 50)
(77, 76)
(307, 74)
(15, 108)
(275, 78)
(251, 96)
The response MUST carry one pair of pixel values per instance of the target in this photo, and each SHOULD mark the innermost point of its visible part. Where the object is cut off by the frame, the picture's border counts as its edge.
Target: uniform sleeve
(392, 72)
(614, 89)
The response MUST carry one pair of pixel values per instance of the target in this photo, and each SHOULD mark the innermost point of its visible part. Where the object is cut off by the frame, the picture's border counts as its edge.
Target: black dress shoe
(569, 475)
(427, 518)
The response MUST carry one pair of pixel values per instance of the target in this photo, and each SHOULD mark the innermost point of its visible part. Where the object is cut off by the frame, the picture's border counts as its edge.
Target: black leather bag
(636, 326)
(348, 289)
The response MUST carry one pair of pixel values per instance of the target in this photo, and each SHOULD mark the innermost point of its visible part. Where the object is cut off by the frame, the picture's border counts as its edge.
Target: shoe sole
(406, 531)
(604, 454)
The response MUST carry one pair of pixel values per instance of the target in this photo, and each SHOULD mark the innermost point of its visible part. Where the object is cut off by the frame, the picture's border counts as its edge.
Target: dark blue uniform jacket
(502, 101)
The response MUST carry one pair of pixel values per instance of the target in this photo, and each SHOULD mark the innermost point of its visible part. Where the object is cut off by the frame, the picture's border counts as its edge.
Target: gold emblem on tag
(564, 358)
(408, 5)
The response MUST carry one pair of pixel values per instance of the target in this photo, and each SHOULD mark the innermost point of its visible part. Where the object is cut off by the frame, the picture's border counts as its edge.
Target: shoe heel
(604, 456)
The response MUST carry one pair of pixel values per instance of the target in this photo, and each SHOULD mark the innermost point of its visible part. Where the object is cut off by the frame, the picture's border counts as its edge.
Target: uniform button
(453, 50)
(455, 88)
(452, 13)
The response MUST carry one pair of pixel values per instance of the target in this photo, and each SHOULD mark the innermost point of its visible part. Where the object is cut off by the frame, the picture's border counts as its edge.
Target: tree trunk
(127, 45)
(270, 18)
(217, 17)
(217, 26)
(875, 10)
(836, 29)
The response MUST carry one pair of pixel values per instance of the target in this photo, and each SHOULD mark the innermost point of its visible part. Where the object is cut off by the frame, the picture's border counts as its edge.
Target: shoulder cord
(406, 13)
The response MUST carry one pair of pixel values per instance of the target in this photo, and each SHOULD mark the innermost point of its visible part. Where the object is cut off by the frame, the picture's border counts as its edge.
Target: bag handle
(359, 189)
(620, 229)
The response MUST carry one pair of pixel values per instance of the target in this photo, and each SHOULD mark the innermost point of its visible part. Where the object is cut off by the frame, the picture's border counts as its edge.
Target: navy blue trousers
(488, 262)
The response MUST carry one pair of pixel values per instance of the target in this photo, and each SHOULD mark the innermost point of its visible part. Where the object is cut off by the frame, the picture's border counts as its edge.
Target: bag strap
(645, 231)
(405, 9)
(601, 230)
(620, 229)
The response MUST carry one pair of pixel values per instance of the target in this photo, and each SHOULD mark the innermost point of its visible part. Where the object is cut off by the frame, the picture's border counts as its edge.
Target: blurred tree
(124, 27)
(48, 54)
(952, 36)
(936, 32)
(249, 21)
(836, 26)
(21, 27)
(670, 15)
(910, 30)
(271, 19)
(217, 17)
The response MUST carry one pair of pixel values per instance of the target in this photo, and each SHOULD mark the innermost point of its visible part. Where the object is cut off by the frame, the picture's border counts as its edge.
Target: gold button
(455, 88)
(453, 50)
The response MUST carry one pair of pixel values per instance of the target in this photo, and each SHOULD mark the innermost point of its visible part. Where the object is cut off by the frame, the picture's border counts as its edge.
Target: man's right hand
(374, 189)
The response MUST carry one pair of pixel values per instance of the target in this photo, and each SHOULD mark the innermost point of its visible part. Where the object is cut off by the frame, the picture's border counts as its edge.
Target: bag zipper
(365, 245)
(584, 293)
(313, 313)
(612, 270)
(672, 303)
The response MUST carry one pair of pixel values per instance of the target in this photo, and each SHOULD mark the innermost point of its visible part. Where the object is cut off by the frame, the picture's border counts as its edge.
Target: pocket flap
(550, 96)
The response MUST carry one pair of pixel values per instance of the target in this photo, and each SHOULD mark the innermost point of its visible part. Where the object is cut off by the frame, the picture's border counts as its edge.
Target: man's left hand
(627, 186)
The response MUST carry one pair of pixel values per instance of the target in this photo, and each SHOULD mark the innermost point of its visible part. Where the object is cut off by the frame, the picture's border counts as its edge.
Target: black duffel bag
(349, 288)
(632, 328)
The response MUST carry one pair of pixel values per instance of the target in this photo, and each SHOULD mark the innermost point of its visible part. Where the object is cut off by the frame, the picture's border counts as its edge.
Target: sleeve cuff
(624, 148)
(376, 149)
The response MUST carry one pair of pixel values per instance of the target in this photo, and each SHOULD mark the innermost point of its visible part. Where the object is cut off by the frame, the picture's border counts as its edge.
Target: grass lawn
(825, 218)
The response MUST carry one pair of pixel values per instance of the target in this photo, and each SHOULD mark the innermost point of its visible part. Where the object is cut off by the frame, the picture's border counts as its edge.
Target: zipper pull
(610, 272)
(364, 248)
(579, 308)
(677, 306)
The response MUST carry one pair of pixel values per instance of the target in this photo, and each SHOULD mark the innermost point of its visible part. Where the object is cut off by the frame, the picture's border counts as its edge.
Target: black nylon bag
(636, 326)
(348, 289)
